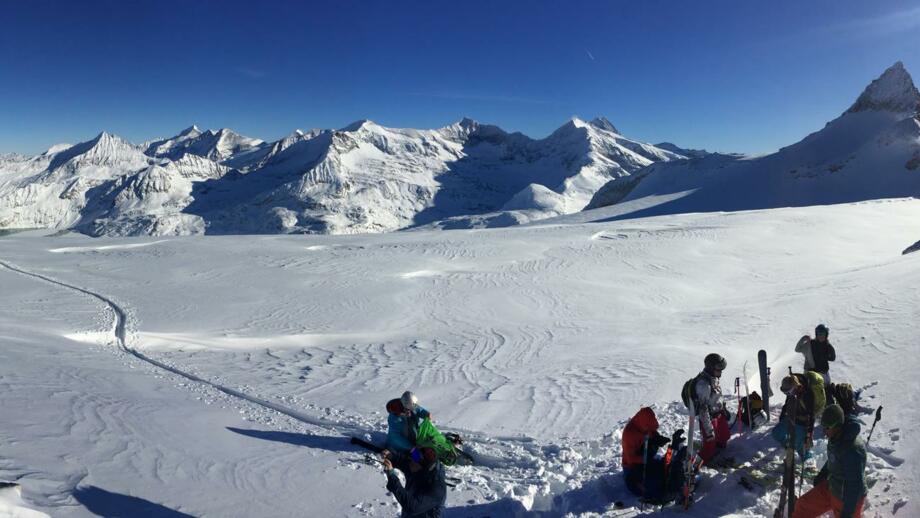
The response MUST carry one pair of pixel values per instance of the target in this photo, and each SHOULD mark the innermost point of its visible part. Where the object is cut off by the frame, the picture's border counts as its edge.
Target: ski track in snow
(487, 363)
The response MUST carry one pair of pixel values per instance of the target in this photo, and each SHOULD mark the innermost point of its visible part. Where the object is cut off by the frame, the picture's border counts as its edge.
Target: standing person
(841, 485)
(818, 353)
(405, 416)
(426, 488)
(647, 475)
(710, 407)
(807, 392)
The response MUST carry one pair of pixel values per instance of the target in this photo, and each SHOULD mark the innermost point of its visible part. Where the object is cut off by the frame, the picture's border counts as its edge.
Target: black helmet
(714, 361)
(822, 330)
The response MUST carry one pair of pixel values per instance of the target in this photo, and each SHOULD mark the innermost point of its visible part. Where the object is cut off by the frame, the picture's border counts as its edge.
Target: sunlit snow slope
(537, 342)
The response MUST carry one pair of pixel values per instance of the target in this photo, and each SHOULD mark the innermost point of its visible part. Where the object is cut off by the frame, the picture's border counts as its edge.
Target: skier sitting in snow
(818, 353)
(647, 474)
(806, 391)
(841, 485)
(426, 488)
(405, 416)
(710, 408)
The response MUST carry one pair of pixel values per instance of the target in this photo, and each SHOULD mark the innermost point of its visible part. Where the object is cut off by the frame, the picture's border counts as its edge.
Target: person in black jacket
(818, 354)
(426, 489)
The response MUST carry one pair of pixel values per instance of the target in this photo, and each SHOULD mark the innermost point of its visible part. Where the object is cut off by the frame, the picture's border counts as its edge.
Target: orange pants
(819, 500)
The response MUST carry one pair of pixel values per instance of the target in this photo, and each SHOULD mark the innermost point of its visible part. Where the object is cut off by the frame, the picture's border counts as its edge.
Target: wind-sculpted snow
(248, 361)
(872, 151)
(362, 178)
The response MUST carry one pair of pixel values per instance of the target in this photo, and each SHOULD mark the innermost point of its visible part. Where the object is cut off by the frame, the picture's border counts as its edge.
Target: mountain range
(361, 178)
(369, 178)
(871, 151)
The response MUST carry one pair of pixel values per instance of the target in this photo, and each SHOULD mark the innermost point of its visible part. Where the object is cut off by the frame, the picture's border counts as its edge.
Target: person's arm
(703, 391)
(802, 344)
(422, 413)
(831, 353)
(821, 476)
(395, 486)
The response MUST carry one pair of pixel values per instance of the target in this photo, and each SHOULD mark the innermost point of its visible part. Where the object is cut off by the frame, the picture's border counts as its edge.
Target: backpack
(430, 437)
(688, 393)
(843, 395)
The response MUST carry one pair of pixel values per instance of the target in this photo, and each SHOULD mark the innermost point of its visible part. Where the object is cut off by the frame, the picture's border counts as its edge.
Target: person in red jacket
(647, 474)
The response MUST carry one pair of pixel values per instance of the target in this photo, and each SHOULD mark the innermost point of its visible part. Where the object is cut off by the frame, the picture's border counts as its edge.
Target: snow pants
(780, 432)
(820, 500)
(721, 433)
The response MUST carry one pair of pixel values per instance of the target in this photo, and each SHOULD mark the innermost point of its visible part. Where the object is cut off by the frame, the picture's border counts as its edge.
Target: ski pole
(878, 417)
(738, 394)
(644, 469)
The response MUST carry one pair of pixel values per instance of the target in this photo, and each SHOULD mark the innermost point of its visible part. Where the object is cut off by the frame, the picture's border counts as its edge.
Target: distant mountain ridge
(361, 178)
(871, 151)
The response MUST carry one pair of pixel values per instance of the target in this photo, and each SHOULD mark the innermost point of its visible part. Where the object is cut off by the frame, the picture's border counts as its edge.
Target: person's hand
(387, 465)
(385, 454)
(677, 438)
(708, 435)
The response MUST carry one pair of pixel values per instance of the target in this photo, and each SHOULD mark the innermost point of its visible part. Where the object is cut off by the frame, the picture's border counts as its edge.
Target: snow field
(538, 343)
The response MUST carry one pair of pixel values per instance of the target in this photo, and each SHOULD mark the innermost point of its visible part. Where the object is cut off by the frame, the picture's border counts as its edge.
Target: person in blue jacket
(405, 416)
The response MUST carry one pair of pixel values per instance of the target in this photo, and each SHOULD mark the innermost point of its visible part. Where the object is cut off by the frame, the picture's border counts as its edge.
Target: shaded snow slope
(537, 342)
(871, 151)
(361, 178)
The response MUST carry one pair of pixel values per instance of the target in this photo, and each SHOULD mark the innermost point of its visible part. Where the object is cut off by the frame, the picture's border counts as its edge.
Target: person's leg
(722, 430)
(676, 471)
(814, 503)
(838, 507)
(654, 479)
(633, 479)
(779, 432)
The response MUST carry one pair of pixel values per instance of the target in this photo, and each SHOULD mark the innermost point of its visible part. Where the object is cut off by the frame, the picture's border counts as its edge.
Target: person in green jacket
(841, 485)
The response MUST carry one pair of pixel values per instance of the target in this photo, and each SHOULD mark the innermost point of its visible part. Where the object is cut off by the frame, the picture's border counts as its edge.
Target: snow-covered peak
(57, 148)
(191, 131)
(893, 91)
(604, 124)
(359, 125)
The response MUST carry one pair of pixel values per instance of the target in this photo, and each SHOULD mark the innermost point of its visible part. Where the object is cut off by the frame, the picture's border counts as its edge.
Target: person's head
(791, 386)
(409, 401)
(821, 332)
(832, 420)
(422, 458)
(714, 365)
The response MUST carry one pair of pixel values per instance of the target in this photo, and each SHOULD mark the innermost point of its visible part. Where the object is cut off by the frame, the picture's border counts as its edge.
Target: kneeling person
(647, 474)
(425, 491)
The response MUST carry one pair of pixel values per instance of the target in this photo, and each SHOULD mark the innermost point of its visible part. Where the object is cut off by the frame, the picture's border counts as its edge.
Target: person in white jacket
(711, 408)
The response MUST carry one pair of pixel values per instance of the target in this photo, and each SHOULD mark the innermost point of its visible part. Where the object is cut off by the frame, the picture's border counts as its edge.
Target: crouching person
(425, 491)
(841, 485)
(647, 474)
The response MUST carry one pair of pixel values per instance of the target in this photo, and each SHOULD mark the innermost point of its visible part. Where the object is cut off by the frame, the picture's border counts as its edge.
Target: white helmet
(409, 400)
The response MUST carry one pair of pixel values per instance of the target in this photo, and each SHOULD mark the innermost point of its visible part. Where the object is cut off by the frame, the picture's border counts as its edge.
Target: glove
(657, 441)
(677, 438)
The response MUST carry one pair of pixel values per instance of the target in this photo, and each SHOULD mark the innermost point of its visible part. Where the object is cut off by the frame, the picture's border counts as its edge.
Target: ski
(787, 491)
(765, 391)
(747, 397)
(367, 445)
(690, 461)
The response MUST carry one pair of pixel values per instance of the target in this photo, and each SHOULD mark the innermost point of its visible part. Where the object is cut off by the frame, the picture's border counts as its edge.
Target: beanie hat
(832, 416)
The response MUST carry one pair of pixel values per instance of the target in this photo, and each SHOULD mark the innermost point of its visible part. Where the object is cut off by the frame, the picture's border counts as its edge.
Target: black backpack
(688, 393)
(844, 396)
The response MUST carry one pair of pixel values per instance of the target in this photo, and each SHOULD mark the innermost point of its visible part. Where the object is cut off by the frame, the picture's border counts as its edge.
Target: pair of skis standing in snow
(839, 487)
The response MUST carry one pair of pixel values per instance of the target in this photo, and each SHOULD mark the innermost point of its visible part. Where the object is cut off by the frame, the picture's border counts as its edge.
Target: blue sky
(721, 75)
